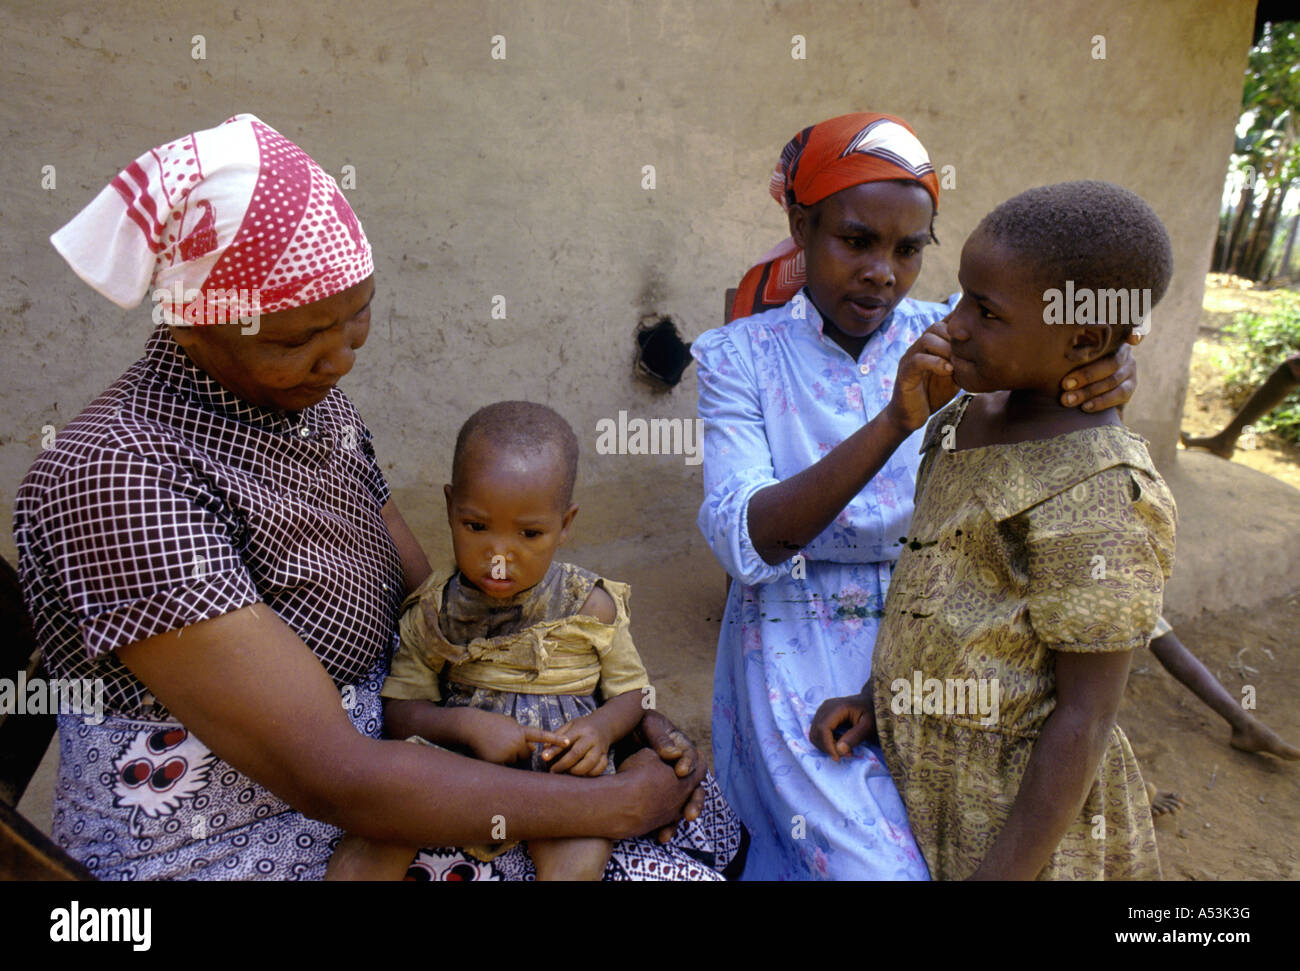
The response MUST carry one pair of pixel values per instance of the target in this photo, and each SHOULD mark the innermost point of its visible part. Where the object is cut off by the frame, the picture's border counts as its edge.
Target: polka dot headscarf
(218, 227)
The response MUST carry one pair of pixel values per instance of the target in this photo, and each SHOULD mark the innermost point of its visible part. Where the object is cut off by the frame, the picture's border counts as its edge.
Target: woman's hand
(856, 713)
(658, 791)
(670, 743)
(924, 382)
(1108, 382)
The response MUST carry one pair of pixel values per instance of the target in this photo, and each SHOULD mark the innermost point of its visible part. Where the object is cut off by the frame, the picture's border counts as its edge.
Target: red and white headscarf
(818, 162)
(219, 226)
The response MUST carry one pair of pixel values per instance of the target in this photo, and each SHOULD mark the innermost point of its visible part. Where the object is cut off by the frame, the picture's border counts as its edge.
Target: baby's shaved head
(519, 427)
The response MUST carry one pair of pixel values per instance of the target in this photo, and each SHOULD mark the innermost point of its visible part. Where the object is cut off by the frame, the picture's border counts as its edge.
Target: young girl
(1034, 565)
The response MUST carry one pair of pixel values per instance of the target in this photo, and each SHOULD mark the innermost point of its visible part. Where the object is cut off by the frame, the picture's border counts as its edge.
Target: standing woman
(213, 538)
(811, 447)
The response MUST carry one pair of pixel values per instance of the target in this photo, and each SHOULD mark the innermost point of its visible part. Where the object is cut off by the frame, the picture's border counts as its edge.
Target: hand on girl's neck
(1042, 403)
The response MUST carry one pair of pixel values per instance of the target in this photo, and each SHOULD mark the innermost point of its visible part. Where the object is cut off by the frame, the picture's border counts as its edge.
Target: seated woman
(808, 480)
(213, 538)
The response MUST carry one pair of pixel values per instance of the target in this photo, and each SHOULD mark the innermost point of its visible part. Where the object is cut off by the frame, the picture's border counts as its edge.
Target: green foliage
(1261, 342)
(1271, 96)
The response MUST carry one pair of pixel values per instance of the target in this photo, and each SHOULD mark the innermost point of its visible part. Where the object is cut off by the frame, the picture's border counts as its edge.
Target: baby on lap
(511, 650)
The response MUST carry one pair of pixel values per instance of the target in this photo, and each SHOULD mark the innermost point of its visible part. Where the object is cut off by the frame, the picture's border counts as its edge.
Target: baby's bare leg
(358, 858)
(581, 858)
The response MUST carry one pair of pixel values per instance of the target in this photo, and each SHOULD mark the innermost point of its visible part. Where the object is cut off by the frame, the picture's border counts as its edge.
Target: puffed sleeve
(737, 456)
(141, 546)
(621, 669)
(414, 672)
(1099, 554)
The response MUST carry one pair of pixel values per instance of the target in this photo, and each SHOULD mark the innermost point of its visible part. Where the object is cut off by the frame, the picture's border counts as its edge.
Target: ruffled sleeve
(621, 669)
(737, 456)
(1099, 554)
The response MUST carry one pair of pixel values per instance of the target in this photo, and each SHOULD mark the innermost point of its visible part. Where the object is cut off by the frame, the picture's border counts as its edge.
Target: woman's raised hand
(856, 712)
(1107, 382)
(924, 382)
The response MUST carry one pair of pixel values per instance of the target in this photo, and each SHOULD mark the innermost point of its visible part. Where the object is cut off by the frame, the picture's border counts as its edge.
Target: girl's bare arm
(1063, 764)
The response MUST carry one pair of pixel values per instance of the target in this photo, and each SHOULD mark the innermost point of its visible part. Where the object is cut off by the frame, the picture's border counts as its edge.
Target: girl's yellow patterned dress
(1018, 551)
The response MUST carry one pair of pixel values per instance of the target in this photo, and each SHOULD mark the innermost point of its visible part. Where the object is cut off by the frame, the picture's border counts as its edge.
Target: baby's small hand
(588, 749)
(497, 738)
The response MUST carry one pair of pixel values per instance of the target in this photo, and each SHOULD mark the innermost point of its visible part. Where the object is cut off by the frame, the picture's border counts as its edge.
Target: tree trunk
(1250, 248)
(1245, 203)
(1219, 255)
(1265, 231)
(1290, 242)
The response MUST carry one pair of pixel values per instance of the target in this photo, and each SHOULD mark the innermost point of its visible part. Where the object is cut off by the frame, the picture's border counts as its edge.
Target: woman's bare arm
(786, 517)
(415, 565)
(248, 687)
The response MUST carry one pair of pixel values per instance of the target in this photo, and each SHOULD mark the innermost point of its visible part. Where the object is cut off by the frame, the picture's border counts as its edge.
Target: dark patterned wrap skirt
(146, 800)
(701, 850)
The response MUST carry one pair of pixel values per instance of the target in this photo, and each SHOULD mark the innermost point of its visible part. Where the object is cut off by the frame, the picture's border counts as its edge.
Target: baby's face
(507, 517)
(998, 335)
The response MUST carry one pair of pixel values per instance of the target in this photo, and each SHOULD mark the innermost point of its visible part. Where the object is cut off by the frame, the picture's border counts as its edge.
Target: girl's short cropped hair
(520, 426)
(1097, 235)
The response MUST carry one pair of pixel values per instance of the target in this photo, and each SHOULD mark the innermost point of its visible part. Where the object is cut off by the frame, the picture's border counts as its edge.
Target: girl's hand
(924, 382)
(1107, 382)
(588, 749)
(856, 712)
(496, 738)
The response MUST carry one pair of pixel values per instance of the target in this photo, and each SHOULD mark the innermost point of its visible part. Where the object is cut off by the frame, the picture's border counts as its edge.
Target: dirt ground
(1242, 815)
(1206, 409)
(1241, 820)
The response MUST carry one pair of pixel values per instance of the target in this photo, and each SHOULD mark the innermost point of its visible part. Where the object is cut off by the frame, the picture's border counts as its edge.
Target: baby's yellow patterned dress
(1016, 552)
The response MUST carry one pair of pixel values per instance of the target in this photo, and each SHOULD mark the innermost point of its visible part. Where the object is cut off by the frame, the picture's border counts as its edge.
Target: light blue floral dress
(775, 396)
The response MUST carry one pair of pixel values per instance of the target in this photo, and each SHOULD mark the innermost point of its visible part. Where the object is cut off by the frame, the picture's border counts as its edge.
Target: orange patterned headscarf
(847, 151)
(818, 162)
